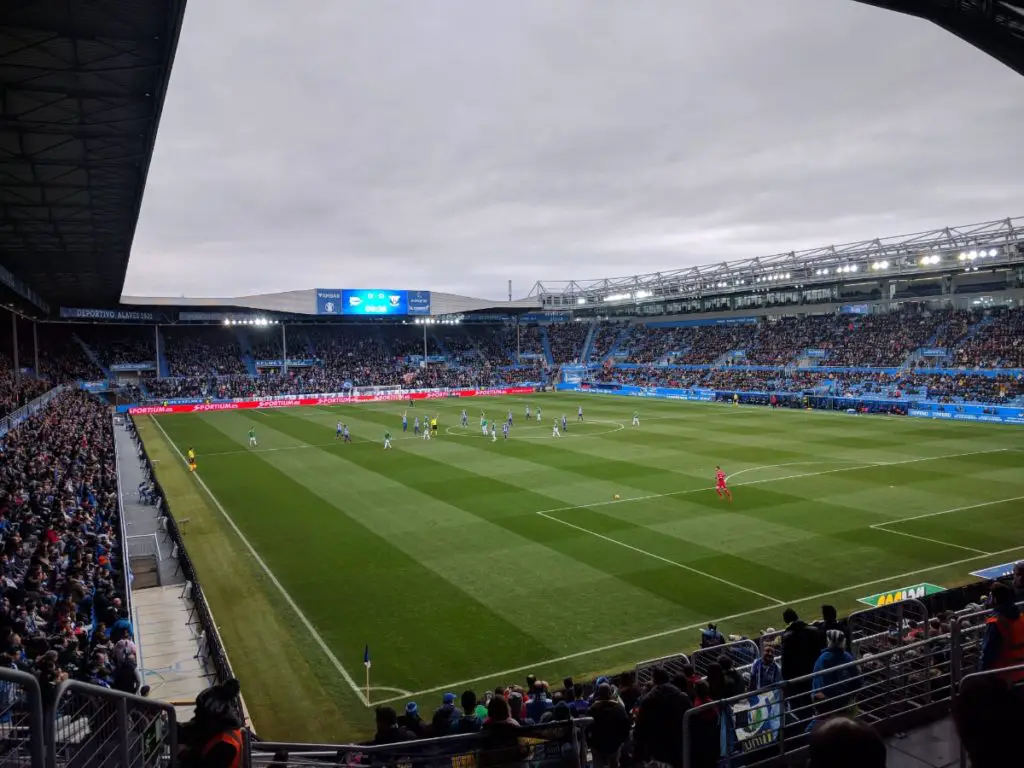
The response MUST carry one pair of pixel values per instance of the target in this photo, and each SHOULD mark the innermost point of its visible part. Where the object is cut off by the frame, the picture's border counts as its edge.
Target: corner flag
(366, 663)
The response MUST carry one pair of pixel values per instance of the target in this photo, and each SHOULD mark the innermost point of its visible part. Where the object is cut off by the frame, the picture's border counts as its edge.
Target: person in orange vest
(1003, 643)
(213, 738)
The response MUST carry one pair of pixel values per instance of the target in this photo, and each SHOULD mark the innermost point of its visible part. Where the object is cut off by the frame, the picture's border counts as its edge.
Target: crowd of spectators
(652, 345)
(884, 340)
(130, 344)
(62, 613)
(14, 393)
(202, 351)
(710, 342)
(566, 340)
(605, 335)
(998, 343)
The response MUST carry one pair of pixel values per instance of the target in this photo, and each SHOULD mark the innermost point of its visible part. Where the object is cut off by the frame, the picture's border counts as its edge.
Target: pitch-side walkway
(169, 646)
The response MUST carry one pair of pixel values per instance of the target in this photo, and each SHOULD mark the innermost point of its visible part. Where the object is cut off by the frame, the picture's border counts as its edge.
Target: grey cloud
(454, 144)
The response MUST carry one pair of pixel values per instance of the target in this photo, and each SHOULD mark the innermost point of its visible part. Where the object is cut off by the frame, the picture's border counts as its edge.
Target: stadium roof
(993, 26)
(82, 86)
(939, 251)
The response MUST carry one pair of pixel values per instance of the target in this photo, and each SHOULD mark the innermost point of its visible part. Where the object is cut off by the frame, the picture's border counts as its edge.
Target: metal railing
(555, 744)
(904, 683)
(89, 725)
(21, 720)
(742, 653)
(14, 418)
(672, 664)
(775, 720)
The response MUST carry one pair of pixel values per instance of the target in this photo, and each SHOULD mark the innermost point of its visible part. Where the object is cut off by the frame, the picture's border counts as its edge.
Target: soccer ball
(616, 497)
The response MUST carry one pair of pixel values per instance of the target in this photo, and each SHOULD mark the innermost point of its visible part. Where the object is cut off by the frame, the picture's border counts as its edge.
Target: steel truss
(938, 252)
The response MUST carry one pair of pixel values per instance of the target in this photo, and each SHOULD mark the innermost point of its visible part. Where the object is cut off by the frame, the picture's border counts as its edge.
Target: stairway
(163, 367)
(245, 344)
(545, 341)
(93, 357)
(587, 342)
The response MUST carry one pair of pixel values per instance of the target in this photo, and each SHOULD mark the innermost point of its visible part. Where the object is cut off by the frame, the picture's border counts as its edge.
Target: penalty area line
(270, 575)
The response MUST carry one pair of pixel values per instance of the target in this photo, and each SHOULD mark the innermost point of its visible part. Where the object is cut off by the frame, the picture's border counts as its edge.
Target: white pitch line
(884, 526)
(797, 476)
(930, 541)
(949, 511)
(675, 563)
(273, 579)
(697, 625)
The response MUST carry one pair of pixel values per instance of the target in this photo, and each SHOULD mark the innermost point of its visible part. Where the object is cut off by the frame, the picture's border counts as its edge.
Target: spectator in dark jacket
(388, 729)
(830, 620)
(988, 716)
(734, 683)
(411, 721)
(659, 721)
(609, 730)
(801, 647)
(469, 722)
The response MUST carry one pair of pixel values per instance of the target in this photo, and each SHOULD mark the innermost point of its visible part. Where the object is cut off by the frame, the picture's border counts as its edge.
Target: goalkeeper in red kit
(720, 487)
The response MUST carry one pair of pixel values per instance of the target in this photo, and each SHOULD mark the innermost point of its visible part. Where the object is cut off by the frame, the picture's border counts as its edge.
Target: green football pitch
(463, 562)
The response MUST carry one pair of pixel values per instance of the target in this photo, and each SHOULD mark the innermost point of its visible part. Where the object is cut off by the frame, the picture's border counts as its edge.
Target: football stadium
(713, 515)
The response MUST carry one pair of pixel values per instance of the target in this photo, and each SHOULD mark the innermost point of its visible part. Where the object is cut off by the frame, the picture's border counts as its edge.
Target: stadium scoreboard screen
(371, 301)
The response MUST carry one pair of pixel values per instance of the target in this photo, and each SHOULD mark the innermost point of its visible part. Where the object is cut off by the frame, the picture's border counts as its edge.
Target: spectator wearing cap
(609, 730)
(411, 720)
(833, 686)
(446, 717)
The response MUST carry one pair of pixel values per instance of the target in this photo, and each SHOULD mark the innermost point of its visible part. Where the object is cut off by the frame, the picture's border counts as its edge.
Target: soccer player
(433, 425)
(509, 419)
(565, 424)
(405, 421)
(538, 414)
(483, 425)
(252, 437)
(554, 429)
(504, 430)
(387, 441)
(527, 411)
(636, 419)
(191, 455)
(494, 433)
(338, 430)
(345, 436)
(416, 426)
(720, 487)
(465, 419)
(426, 429)
(579, 413)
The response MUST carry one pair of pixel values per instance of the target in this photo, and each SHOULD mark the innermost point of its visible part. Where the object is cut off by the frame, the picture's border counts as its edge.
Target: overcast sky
(453, 145)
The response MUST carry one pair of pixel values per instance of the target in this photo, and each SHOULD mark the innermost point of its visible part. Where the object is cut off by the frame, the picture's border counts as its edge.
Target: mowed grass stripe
(784, 526)
(341, 574)
(461, 547)
(513, 507)
(270, 652)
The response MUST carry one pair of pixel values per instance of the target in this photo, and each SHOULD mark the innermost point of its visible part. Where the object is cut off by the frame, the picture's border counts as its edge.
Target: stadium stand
(567, 341)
